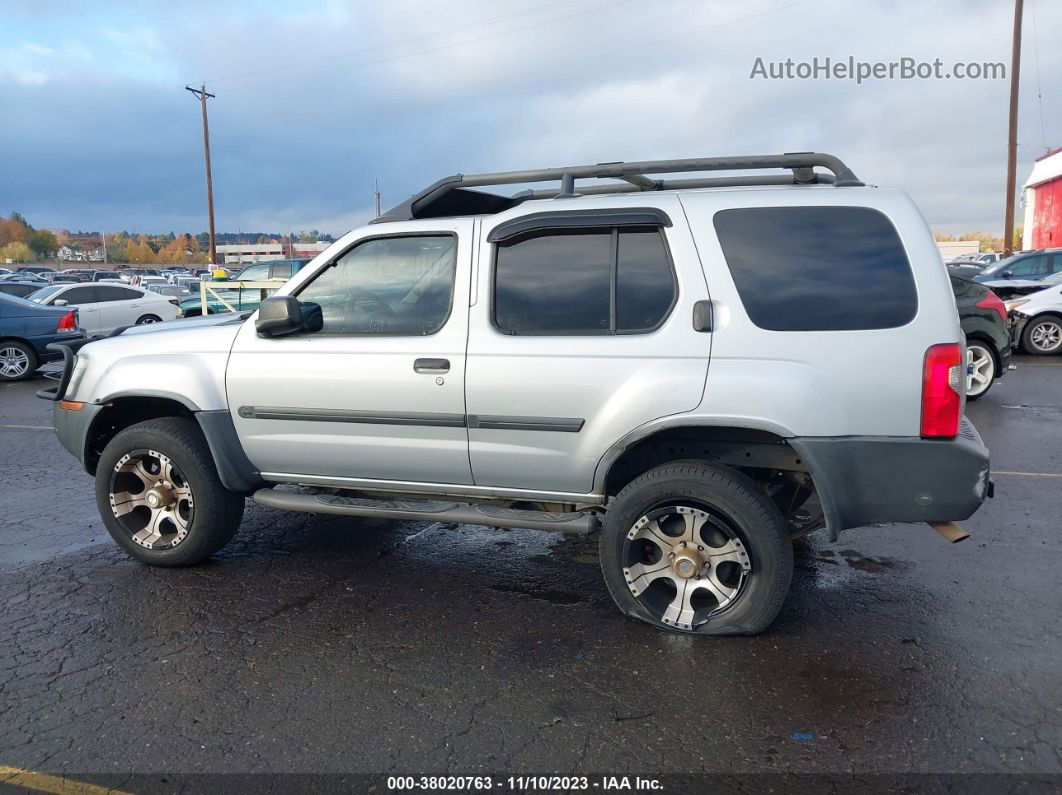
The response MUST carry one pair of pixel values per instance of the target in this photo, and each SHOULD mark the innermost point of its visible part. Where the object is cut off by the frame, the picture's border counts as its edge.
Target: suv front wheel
(697, 548)
(160, 497)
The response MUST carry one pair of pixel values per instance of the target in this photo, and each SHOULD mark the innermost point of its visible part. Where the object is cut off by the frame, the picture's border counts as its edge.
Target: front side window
(583, 281)
(79, 295)
(388, 286)
(1029, 266)
(818, 268)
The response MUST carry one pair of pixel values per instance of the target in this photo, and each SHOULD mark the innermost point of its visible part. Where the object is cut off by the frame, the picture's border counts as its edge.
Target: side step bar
(581, 522)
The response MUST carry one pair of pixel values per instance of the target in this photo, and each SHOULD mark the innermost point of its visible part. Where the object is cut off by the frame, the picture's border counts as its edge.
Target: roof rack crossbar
(434, 201)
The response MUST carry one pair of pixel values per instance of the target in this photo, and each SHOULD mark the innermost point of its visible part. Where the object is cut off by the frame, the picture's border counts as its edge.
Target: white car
(104, 307)
(1036, 321)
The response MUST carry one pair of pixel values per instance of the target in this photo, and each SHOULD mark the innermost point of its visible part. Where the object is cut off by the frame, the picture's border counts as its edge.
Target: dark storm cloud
(315, 101)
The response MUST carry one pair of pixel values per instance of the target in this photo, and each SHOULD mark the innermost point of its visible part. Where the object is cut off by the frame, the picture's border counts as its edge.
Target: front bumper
(1016, 324)
(73, 427)
(875, 480)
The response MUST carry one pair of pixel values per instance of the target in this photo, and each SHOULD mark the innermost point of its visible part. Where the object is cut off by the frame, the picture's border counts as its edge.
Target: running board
(580, 522)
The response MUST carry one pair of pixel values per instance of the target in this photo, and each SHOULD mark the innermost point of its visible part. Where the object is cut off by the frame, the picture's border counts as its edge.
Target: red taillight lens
(992, 301)
(942, 385)
(68, 323)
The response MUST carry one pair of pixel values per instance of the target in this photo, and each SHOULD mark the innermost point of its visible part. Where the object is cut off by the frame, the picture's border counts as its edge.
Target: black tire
(734, 499)
(1029, 345)
(988, 350)
(140, 321)
(32, 362)
(217, 511)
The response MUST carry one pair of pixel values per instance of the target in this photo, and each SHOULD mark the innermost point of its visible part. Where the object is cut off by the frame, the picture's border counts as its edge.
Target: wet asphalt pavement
(361, 646)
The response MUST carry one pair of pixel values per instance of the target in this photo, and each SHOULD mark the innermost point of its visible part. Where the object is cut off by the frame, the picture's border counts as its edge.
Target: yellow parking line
(42, 782)
(29, 427)
(1028, 474)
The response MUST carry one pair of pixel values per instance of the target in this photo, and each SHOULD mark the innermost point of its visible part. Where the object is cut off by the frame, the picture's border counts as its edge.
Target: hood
(210, 334)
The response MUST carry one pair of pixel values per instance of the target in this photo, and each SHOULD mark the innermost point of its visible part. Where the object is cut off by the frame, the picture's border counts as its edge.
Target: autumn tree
(16, 251)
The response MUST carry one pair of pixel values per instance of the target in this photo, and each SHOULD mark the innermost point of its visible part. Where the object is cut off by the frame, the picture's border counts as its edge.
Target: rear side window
(818, 268)
(583, 281)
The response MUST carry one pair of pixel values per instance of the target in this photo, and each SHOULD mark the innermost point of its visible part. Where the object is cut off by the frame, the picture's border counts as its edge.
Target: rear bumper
(874, 480)
(41, 344)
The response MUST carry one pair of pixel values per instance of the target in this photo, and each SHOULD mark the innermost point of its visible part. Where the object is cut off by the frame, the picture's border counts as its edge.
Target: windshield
(41, 295)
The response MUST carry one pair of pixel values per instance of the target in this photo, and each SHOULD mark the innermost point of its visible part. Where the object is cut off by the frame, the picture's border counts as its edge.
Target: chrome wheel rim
(1046, 336)
(14, 362)
(685, 564)
(151, 499)
(980, 369)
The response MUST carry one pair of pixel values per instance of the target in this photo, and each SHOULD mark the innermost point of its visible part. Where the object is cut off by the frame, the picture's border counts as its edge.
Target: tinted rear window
(818, 268)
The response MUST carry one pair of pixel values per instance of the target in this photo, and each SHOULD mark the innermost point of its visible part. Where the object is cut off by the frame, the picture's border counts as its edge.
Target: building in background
(1042, 194)
(249, 253)
(950, 249)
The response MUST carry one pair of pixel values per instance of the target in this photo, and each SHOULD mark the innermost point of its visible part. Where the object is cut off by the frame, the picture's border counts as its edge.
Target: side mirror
(60, 302)
(1007, 274)
(280, 315)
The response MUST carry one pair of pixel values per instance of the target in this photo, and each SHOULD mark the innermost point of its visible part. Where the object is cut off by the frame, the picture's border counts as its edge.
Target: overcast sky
(316, 99)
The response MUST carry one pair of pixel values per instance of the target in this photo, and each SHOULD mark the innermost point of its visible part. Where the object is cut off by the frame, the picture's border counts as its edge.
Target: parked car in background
(26, 331)
(170, 290)
(282, 269)
(19, 289)
(23, 277)
(1027, 266)
(240, 300)
(984, 323)
(104, 307)
(143, 280)
(977, 260)
(1036, 321)
(63, 278)
(5, 271)
(40, 269)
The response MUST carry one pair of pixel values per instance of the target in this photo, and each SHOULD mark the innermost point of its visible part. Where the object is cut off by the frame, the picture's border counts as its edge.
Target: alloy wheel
(1046, 336)
(14, 362)
(151, 499)
(685, 564)
(980, 369)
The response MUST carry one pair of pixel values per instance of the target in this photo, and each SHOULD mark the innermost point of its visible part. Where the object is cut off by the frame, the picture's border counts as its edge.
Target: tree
(16, 251)
(308, 237)
(43, 243)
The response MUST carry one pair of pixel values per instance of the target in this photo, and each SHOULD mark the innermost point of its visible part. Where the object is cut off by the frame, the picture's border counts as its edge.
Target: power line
(1036, 63)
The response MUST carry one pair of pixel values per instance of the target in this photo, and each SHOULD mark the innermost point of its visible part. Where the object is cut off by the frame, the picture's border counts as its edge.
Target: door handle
(431, 366)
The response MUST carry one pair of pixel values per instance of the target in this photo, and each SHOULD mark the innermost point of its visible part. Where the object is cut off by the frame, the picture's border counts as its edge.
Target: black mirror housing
(279, 315)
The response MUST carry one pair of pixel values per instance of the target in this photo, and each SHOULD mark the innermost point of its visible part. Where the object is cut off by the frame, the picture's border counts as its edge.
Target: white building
(245, 253)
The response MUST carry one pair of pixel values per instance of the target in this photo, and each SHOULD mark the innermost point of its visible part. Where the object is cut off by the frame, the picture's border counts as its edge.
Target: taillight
(992, 301)
(69, 322)
(942, 390)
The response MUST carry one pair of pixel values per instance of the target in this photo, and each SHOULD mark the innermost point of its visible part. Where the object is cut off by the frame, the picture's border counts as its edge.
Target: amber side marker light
(70, 405)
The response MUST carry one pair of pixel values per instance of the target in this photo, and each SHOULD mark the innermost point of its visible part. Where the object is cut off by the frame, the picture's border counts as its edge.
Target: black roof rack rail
(452, 196)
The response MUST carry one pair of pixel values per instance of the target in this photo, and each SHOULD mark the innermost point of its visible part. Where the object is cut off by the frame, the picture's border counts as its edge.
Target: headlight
(1012, 305)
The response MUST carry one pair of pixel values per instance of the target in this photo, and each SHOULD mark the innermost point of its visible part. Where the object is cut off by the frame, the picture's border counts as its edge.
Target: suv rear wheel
(160, 497)
(697, 548)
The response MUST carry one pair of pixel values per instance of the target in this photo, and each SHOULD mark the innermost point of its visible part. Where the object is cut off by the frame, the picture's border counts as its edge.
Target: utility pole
(201, 92)
(1012, 136)
(104, 236)
(377, 195)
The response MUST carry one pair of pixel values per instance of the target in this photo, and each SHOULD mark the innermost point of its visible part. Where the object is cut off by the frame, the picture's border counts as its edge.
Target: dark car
(984, 322)
(19, 289)
(26, 330)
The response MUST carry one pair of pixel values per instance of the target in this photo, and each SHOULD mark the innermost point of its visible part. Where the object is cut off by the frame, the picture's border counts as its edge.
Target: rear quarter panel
(821, 383)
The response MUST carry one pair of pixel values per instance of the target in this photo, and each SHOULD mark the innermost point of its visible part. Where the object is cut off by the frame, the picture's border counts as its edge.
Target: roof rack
(451, 196)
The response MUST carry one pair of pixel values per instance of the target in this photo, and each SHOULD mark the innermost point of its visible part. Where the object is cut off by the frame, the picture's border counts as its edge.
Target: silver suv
(693, 366)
